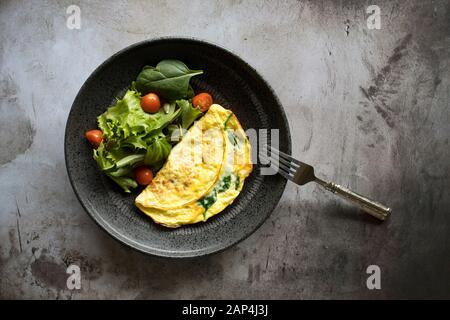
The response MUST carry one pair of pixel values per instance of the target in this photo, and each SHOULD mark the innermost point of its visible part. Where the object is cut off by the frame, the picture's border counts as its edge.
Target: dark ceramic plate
(234, 85)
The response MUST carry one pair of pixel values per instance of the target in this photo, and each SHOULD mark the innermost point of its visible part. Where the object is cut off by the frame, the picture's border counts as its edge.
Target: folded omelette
(203, 174)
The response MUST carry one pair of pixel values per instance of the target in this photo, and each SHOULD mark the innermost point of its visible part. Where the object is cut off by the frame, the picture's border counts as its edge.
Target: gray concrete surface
(370, 108)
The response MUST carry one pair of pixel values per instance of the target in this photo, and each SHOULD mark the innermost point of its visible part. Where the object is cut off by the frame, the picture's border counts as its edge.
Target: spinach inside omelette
(203, 174)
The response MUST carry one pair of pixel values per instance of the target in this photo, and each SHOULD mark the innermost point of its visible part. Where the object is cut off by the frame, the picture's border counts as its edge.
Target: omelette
(203, 174)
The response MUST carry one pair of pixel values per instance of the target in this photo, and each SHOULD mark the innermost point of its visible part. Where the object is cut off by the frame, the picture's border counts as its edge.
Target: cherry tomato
(143, 175)
(150, 103)
(95, 137)
(203, 100)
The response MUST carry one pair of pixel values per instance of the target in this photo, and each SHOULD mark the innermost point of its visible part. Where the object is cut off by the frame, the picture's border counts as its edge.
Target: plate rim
(112, 232)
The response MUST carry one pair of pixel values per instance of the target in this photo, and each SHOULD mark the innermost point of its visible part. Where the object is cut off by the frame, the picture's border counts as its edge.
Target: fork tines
(280, 161)
(289, 167)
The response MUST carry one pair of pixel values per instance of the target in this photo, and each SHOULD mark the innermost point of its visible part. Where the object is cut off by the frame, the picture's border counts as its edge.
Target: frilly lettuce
(188, 113)
(127, 119)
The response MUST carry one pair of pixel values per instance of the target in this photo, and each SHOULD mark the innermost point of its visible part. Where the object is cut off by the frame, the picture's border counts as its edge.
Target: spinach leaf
(190, 93)
(224, 184)
(207, 201)
(226, 121)
(232, 137)
(169, 79)
(237, 182)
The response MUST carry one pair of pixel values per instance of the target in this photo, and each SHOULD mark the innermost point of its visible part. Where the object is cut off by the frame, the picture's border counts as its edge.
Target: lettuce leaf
(188, 113)
(126, 118)
(126, 183)
(158, 152)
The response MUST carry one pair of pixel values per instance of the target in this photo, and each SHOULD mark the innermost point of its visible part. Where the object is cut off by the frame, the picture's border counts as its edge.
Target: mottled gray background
(370, 108)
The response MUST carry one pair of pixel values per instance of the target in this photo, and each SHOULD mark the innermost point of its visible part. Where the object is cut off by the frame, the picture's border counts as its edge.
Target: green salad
(133, 139)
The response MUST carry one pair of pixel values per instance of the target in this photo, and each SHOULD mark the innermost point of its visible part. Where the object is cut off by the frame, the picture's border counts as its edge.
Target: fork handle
(371, 207)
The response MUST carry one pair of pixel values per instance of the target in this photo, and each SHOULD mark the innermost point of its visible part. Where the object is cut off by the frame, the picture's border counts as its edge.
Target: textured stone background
(369, 108)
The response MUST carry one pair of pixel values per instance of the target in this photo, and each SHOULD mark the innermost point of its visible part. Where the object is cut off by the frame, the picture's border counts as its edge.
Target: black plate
(234, 85)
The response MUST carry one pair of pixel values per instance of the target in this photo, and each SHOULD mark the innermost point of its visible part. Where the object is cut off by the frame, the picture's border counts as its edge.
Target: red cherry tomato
(150, 103)
(143, 175)
(202, 100)
(95, 137)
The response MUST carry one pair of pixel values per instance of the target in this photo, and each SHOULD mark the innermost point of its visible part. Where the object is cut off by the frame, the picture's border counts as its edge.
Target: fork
(301, 173)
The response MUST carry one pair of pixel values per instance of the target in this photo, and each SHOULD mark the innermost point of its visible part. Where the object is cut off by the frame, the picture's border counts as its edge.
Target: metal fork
(302, 173)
